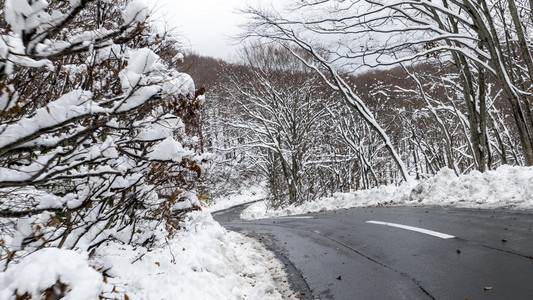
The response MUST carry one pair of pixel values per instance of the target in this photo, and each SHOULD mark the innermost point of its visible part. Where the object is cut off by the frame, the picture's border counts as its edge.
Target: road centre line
(412, 228)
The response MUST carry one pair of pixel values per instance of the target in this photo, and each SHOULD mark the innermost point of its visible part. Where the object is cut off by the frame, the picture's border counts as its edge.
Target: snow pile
(373, 197)
(510, 187)
(506, 187)
(43, 269)
(204, 261)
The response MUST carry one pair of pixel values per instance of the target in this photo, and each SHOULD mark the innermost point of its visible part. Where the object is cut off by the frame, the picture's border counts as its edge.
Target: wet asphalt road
(338, 255)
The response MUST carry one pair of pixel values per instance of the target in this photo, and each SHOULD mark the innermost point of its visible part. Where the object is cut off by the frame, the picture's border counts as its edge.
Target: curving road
(400, 252)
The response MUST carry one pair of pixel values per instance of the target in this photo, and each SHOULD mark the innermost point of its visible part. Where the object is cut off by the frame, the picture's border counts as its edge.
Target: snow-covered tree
(283, 118)
(482, 45)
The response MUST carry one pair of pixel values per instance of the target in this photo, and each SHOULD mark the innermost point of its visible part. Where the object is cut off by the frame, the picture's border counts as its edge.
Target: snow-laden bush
(95, 135)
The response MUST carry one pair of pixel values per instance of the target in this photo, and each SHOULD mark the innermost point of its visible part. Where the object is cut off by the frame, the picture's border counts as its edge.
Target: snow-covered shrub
(94, 144)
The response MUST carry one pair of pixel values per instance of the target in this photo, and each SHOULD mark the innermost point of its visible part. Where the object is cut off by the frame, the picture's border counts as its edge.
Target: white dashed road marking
(421, 230)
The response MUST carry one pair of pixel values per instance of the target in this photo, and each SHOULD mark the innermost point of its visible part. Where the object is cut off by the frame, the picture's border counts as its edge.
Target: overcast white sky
(205, 24)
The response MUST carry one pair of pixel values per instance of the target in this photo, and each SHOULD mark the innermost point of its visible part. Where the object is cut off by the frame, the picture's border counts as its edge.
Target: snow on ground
(506, 187)
(204, 261)
(252, 194)
(42, 269)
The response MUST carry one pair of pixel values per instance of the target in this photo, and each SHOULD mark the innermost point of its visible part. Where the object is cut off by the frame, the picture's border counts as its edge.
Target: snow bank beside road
(506, 187)
(204, 261)
(509, 187)
(252, 194)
